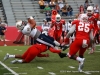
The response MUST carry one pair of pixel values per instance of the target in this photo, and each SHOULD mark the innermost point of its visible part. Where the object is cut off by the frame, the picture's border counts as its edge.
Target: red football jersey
(93, 19)
(82, 29)
(58, 25)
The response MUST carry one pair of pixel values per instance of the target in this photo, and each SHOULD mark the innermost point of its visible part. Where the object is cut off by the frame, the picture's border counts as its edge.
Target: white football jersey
(45, 29)
(27, 31)
(33, 32)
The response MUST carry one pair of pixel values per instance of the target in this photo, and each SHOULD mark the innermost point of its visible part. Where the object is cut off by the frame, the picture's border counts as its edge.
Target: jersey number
(83, 27)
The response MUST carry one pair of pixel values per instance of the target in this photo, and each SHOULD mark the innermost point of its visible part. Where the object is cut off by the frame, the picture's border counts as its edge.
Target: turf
(55, 64)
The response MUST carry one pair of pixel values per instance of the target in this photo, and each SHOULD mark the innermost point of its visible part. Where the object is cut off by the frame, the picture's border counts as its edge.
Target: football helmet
(84, 17)
(31, 17)
(90, 10)
(58, 17)
(19, 25)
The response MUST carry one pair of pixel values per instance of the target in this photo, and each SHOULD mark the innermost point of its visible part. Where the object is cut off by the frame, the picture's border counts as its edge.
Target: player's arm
(91, 35)
(52, 23)
(72, 29)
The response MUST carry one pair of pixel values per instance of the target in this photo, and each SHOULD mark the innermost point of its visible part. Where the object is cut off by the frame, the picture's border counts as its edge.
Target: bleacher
(21, 9)
(2, 13)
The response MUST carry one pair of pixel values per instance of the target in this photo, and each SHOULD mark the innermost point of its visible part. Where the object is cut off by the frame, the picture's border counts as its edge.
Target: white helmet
(19, 25)
(83, 17)
(90, 10)
(58, 17)
(31, 17)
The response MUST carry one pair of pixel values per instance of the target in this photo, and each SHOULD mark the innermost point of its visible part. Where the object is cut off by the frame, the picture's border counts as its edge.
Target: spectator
(2, 33)
(57, 8)
(81, 9)
(41, 4)
(0, 21)
(52, 4)
(48, 16)
(66, 4)
(45, 27)
(96, 9)
(61, 4)
(48, 1)
(47, 8)
(86, 4)
(70, 11)
(64, 10)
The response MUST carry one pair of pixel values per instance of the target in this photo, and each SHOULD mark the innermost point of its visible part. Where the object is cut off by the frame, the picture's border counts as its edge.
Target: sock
(78, 59)
(11, 56)
(20, 61)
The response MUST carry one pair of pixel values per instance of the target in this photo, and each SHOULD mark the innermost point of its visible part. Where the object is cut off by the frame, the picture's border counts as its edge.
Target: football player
(31, 30)
(58, 24)
(35, 50)
(93, 18)
(84, 34)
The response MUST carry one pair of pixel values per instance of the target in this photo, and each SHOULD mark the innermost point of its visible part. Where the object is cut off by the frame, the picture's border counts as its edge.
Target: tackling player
(32, 52)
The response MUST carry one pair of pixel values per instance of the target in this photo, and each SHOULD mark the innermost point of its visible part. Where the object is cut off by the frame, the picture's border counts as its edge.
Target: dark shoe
(62, 55)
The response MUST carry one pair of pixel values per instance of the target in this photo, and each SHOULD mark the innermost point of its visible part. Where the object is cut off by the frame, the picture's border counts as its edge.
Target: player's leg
(81, 55)
(11, 56)
(17, 56)
(3, 38)
(74, 48)
(93, 45)
(43, 55)
(58, 51)
(33, 52)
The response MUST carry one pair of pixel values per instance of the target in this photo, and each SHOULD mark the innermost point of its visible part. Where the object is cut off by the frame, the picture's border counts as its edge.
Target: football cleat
(91, 51)
(62, 55)
(14, 61)
(6, 57)
(81, 64)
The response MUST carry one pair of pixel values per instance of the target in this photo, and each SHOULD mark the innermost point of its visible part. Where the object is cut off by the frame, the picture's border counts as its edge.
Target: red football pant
(58, 35)
(77, 46)
(30, 54)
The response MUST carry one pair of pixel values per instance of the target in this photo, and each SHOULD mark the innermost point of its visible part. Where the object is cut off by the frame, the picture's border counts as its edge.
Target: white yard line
(13, 72)
(87, 72)
(39, 67)
(96, 51)
(71, 66)
(51, 73)
(13, 67)
(7, 74)
(97, 45)
(22, 73)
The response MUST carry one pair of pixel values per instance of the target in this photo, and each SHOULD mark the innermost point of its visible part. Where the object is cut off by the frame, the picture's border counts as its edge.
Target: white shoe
(5, 45)
(81, 64)
(6, 57)
(14, 61)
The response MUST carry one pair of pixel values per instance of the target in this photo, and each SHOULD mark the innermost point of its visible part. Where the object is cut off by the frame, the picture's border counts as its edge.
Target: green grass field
(52, 65)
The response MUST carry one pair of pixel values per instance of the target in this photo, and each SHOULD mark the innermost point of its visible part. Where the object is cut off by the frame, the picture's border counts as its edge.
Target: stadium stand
(21, 9)
(2, 13)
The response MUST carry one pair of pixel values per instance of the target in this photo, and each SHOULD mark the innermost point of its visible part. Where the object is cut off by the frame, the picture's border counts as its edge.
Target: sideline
(13, 72)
